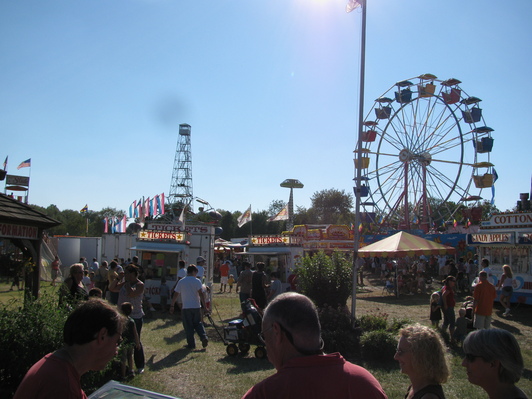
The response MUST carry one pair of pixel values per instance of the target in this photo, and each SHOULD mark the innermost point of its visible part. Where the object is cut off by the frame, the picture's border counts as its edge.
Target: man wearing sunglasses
(292, 334)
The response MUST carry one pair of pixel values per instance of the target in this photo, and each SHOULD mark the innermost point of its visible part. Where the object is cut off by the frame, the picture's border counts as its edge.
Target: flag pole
(250, 223)
(28, 190)
(363, 4)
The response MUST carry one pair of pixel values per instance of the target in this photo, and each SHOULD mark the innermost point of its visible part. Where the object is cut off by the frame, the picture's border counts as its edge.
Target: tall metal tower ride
(181, 185)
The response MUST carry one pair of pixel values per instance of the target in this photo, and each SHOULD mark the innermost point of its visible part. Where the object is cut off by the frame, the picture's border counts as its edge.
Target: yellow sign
(269, 240)
(150, 235)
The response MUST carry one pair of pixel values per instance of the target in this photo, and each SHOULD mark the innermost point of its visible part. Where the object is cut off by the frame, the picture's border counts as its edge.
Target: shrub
(28, 333)
(397, 324)
(373, 322)
(378, 346)
(337, 331)
(327, 280)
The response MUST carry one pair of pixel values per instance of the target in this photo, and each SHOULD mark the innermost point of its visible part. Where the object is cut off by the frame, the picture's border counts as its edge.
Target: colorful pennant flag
(455, 223)
(181, 219)
(147, 207)
(5, 164)
(282, 215)
(84, 209)
(123, 224)
(25, 164)
(352, 5)
(245, 217)
(495, 177)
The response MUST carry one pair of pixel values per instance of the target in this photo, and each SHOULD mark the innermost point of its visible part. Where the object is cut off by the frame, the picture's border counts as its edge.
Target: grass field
(173, 370)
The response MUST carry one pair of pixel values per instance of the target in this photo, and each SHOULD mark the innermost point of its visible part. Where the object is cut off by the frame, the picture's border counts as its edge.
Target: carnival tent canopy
(221, 243)
(404, 244)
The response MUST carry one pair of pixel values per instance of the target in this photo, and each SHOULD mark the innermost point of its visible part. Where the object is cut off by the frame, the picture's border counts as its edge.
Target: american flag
(25, 164)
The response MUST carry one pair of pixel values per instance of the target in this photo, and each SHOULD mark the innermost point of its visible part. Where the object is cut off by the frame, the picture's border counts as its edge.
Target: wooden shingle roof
(13, 211)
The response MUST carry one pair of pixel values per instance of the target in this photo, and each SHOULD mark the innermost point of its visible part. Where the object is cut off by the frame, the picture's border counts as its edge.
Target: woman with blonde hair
(494, 362)
(506, 283)
(422, 356)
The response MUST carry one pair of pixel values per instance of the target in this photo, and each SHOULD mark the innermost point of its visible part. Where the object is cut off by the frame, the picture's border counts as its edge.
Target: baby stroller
(240, 334)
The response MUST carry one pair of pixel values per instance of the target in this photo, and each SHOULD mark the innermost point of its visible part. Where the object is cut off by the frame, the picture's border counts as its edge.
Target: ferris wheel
(425, 153)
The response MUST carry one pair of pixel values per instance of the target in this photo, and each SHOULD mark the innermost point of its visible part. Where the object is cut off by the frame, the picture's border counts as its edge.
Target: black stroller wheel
(232, 350)
(260, 352)
(244, 348)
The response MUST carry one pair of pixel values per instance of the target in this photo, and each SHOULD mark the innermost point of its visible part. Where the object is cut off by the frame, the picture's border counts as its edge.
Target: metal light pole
(358, 165)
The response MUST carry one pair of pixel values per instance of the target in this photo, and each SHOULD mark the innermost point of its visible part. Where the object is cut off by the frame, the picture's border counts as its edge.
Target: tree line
(329, 206)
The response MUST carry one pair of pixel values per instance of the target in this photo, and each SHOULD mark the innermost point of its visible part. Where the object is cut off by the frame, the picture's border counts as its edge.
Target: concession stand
(279, 253)
(161, 246)
(506, 239)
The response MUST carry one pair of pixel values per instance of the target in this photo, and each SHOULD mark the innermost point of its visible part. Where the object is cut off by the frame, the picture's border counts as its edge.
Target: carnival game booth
(506, 239)
(21, 239)
(161, 246)
(328, 238)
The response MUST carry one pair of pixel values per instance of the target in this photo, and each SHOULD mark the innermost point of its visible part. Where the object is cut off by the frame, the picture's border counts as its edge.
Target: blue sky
(94, 91)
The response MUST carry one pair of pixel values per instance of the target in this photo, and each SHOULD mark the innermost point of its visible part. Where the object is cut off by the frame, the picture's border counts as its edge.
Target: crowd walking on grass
(107, 309)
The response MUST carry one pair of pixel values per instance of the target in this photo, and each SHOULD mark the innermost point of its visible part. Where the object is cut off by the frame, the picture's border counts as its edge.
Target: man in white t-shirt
(191, 292)
(200, 264)
(181, 274)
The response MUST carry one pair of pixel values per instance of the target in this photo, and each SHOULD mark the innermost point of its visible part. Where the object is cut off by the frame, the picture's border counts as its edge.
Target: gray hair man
(292, 333)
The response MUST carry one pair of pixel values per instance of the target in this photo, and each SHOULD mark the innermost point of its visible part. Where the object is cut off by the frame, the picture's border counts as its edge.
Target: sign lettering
(268, 240)
(17, 180)
(509, 219)
(492, 238)
(149, 235)
(179, 228)
(18, 231)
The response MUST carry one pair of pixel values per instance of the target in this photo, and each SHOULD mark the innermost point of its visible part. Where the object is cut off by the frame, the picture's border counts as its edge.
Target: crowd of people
(291, 332)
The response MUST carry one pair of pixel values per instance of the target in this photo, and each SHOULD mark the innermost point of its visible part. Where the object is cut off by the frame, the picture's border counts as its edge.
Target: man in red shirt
(484, 295)
(92, 334)
(292, 334)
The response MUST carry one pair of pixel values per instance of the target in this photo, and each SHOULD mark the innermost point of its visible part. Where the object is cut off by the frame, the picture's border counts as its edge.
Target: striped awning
(404, 244)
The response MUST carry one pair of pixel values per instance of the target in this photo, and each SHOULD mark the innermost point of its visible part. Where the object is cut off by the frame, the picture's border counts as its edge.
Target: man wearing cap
(200, 264)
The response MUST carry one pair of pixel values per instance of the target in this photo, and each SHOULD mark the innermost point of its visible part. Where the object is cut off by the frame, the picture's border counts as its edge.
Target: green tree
(275, 207)
(332, 206)
(488, 209)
